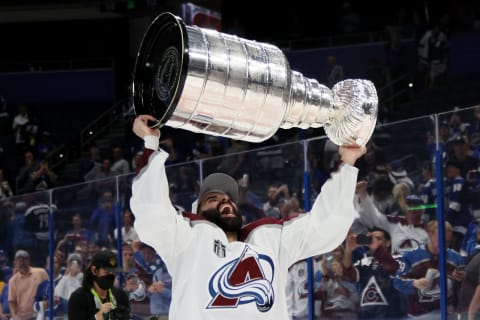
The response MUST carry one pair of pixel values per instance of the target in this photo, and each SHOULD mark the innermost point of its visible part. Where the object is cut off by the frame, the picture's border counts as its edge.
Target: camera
(363, 239)
(119, 313)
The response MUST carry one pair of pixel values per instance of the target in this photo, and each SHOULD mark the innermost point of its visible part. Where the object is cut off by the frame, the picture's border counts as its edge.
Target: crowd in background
(396, 211)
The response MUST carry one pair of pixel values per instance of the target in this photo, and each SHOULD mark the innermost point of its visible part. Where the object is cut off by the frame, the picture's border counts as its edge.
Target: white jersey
(297, 289)
(405, 237)
(216, 279)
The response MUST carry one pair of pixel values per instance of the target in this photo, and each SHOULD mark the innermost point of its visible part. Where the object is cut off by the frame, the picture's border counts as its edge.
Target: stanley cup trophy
(209, 82)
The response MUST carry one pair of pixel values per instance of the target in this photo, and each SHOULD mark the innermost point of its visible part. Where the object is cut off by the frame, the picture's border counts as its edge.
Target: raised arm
(370, 216)
(327, 224)
(156, 220)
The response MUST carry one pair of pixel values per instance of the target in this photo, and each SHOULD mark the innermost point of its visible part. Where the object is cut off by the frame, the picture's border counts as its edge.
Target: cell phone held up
(363, 239)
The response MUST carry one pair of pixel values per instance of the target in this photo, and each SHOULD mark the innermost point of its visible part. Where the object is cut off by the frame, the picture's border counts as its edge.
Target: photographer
(373, 271)
(97, 299)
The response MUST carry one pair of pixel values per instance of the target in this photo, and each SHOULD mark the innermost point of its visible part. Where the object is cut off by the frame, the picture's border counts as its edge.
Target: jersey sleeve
(326, 225)
(156, 220)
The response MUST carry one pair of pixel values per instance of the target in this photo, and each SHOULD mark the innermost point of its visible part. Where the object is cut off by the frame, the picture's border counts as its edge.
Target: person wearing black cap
(97, 298)
(221, 269)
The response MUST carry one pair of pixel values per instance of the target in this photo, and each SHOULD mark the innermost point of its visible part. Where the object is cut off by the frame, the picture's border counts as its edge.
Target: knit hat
(221, 183)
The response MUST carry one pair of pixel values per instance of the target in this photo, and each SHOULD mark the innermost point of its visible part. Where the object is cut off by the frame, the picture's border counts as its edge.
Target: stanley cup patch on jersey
(219, 248)
(372, 295)
(247, 279)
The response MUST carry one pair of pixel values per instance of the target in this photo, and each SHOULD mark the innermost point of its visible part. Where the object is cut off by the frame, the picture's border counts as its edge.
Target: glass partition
(397, 198)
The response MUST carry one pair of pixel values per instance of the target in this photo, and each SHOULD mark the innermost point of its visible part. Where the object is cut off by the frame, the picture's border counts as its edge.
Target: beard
(227, 224)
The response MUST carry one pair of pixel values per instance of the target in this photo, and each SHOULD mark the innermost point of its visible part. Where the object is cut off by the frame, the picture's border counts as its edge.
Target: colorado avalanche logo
(244, 280)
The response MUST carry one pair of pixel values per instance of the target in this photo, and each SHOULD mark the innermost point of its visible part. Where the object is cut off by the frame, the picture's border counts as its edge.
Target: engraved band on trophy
(214, 83)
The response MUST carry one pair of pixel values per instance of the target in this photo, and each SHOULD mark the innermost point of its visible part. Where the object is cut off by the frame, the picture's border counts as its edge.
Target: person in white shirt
(219, 269)
(408, 232)
(128, 231)
(71, 280)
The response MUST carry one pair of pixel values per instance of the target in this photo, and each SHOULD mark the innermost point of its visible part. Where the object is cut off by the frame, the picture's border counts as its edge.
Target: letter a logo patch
(247, 279)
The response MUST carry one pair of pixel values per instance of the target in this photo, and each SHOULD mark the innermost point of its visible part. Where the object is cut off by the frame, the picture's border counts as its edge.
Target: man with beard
(219, 269)
(97, 299)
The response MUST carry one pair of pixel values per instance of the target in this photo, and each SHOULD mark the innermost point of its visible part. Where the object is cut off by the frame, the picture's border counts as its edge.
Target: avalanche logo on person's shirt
(247, 279)
(372, 294)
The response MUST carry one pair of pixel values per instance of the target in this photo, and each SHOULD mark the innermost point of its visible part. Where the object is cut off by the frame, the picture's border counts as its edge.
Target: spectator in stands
(78, 229)
(297, 289)
(101, 172)
(469, 294)
(337, 290)
(462, 155)
(41, 304)
(22, 127)
(234, 163)
(381, 191)
(136, 160)
(44, 178)
(45, 145)
(22, 286)
(7, 214)
(428, 190)
(249, 204)
(473, 131)
(457, 212)
(374, 272)
(128, 260)
(5, 189)
(91, 250)
(408, 232)
(400, 175)
(71, 280)
(160, 293)
(5, 118)
(24, 182)
(276, 194)
(99, 175)
(290, 208)
(443, 141)
(147, 262)
(4, 308)
(120, 165)
(471, 244)
(35, 176)
(419, 276)
(201, 149)
(334, 71)
(128, 232)
(399, 206)
(98, 297)
(5, 267)
(102, 220)
(36, 224)
(458, 128)
(433, 55)
(90, 161)
(69, 243)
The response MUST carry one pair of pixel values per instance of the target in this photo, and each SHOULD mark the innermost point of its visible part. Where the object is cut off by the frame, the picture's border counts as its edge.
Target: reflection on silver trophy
(214, 83)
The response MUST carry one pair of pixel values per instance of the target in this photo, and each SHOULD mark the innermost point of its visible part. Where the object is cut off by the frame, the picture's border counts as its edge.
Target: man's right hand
(141, 128)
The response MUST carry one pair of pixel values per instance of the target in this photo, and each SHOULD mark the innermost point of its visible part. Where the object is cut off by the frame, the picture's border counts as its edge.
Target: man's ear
(94, 271)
